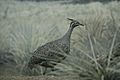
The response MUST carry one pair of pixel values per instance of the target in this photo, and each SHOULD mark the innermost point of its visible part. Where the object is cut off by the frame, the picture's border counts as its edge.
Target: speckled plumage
(53, 52)
(49, 54)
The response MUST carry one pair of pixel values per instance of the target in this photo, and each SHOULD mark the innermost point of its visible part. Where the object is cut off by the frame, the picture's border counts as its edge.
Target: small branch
(111, 49)
(113, 41)
(92, 49)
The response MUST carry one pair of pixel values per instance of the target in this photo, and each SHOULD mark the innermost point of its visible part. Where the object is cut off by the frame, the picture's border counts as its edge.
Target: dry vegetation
(94, 49)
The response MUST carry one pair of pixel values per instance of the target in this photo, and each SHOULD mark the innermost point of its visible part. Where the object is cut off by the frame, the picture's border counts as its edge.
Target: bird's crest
(71, 19)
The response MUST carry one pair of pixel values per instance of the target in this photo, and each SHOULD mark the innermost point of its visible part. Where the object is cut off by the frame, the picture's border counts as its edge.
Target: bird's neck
(68, 34)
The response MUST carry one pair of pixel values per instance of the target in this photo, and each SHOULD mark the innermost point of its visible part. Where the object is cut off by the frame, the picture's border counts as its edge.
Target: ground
(37, 78)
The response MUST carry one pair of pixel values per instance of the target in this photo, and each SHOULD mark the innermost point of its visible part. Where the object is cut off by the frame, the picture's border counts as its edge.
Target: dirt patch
(38, 78)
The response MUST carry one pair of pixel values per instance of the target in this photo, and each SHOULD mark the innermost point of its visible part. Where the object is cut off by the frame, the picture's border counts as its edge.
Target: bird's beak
(81, 24)
(70, 19)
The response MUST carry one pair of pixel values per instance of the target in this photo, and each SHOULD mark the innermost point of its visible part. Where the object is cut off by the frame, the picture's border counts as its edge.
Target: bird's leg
(41, 70)
(45, 71)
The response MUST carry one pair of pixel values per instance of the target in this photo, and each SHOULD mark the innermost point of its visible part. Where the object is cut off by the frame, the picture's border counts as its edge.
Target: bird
(51, 53)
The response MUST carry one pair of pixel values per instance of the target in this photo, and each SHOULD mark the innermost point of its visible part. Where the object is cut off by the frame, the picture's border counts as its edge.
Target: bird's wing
(49, 51)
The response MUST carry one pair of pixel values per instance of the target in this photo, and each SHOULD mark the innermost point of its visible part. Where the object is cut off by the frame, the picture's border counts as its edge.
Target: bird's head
(74, 23)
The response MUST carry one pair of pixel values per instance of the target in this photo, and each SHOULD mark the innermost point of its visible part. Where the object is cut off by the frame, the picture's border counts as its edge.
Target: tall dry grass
(94, 48)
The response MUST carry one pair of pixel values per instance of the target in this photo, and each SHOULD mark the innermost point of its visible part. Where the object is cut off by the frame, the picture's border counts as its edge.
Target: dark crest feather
(71, 19)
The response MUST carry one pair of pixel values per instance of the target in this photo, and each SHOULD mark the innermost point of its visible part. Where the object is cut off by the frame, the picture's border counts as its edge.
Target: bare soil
(38, 78)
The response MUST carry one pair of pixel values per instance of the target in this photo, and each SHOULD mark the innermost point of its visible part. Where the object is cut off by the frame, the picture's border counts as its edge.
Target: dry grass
(38, 78)
(24, 26)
